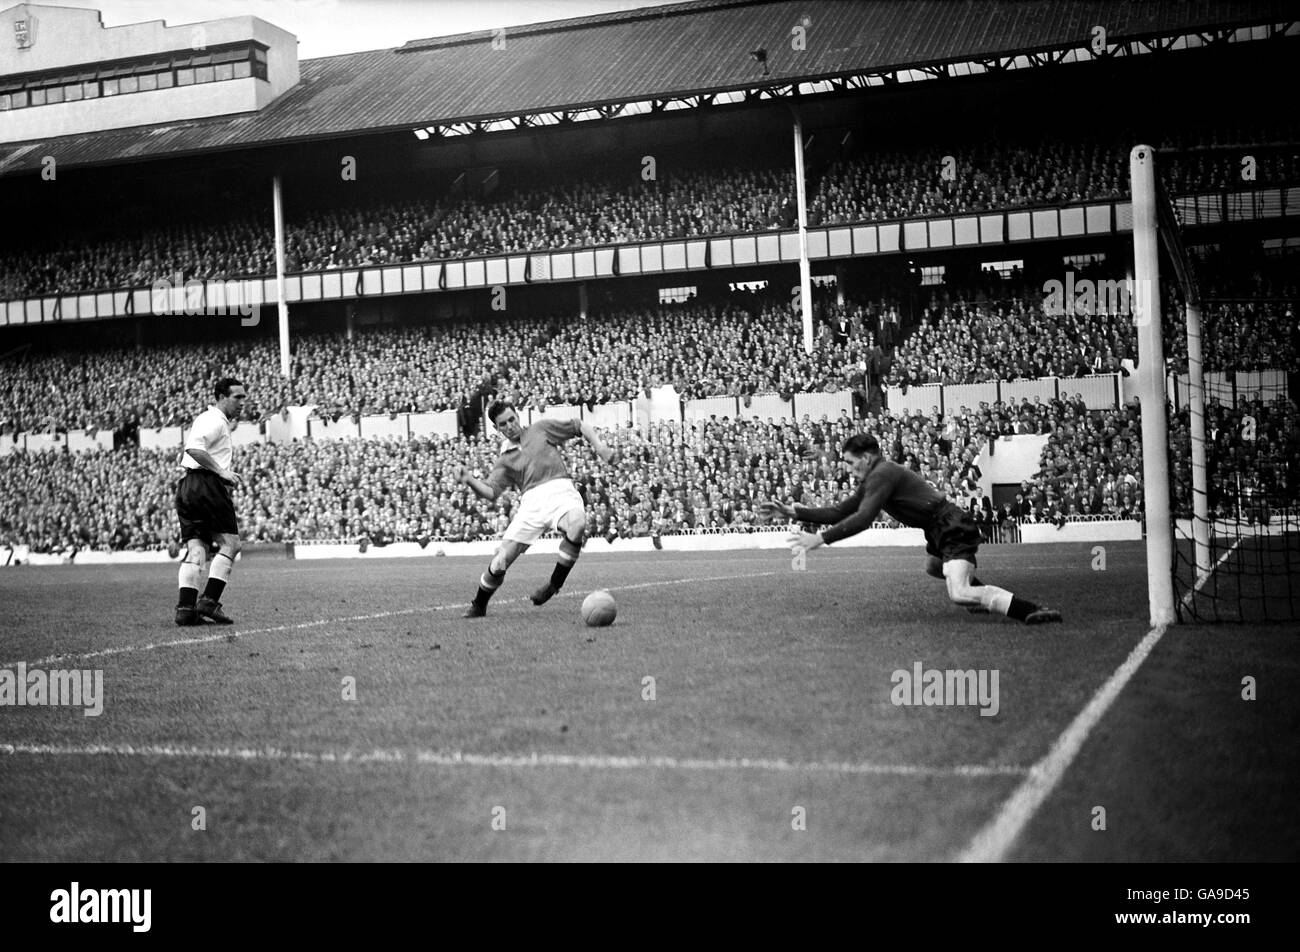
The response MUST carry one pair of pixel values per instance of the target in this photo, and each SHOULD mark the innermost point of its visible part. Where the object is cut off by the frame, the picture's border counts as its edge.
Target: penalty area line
(458, 758)
(992, 843)
(232, 632)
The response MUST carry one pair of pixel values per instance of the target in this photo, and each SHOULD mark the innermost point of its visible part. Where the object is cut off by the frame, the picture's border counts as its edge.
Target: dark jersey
(896, 489)
(535, 459)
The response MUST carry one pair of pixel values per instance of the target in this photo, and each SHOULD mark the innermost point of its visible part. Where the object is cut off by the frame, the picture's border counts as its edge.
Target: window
(1082, 261)
(185, 68)
(747, 285)
(825, 280)
(4, 102)
(932, 274)
(676, 295)
(1004, 269)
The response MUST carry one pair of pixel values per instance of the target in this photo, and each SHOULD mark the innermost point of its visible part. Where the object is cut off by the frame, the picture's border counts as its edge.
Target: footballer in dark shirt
(951, 536)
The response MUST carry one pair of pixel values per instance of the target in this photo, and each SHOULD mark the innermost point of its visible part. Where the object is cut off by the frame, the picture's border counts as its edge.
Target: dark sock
(493, 581)
(214, 589)
(1020, 609)
(188, 597)
(569, 552)
(975, 581)
(559, 574)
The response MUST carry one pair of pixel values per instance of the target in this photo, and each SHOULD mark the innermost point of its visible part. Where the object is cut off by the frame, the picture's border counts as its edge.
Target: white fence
(1099, 392)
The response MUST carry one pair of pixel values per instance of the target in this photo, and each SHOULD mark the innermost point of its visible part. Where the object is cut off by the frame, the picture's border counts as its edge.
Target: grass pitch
(767, 733)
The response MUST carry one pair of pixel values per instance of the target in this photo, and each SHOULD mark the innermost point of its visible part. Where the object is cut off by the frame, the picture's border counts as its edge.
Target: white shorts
(542, 508)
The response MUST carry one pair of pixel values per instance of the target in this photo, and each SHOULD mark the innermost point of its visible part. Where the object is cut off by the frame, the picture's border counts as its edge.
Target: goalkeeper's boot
(544, 594)
(475, 610)
(1042, 616)
(211, 610)
(187, 617)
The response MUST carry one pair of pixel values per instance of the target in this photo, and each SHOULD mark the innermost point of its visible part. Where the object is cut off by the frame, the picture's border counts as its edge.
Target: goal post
(1151, 387)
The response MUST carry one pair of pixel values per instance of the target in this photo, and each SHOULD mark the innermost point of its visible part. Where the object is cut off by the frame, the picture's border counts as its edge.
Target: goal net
(1222, 332)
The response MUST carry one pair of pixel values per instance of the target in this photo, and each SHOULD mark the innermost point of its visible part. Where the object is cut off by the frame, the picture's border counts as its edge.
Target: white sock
(191, 575)
(222, 566)
(995, 599)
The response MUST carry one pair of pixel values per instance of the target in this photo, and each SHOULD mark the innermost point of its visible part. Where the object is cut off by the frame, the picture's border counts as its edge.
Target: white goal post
(1151, 386)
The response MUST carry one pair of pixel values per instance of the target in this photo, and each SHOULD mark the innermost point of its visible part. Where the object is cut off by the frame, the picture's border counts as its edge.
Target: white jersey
(211, 432)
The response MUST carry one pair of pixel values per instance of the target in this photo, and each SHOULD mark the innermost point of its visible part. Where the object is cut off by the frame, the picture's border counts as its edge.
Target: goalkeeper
(951, 536)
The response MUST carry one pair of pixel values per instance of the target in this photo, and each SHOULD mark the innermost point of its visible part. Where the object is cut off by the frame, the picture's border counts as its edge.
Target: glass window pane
(72, 93)
(38, 97)
(225, 71)
(185, 77)
(259, 55)
(4, 101)
(54, 94)
(110, 87)
(166, 80)
(148, 81)
(243, 70)
(130, 84)
(203, 74)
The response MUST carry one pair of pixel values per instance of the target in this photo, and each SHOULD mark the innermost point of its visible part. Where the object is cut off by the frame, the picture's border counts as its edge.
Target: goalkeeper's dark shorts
(204, 507)
(952, 534)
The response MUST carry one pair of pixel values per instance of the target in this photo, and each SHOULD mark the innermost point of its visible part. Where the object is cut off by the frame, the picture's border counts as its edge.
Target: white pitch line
(992, 843)
(228, 633)
(458, 758)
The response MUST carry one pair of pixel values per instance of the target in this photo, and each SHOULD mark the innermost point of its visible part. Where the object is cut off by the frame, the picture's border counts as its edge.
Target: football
(599, 609)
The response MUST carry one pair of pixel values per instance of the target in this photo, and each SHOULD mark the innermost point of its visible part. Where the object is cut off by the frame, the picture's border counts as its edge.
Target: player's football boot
(211, 610)
(188, 616)
(543, 594)
(976, 609)
(1042, 616)
(475, 610)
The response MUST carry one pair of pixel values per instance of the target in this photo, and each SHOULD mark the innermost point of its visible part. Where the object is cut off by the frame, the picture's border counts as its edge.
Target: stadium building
(1044, 252)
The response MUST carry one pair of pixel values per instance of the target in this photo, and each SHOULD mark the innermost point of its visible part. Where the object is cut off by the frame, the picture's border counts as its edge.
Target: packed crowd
(672, 478)
(741, 348)
(961, 340)
(679, 202)
(702, 350)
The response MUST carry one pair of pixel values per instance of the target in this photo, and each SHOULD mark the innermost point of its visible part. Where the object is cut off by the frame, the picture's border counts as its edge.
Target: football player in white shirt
(205, 508)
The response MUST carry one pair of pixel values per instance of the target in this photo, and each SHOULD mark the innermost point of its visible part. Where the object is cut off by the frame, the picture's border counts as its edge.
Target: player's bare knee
(196, 553)
(230, 546)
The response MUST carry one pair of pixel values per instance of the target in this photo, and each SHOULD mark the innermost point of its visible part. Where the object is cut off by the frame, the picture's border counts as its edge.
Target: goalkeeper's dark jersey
(896, 489)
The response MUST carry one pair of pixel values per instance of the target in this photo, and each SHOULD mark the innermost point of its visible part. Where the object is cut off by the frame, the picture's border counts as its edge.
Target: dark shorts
(204, 507)
(952, 535)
